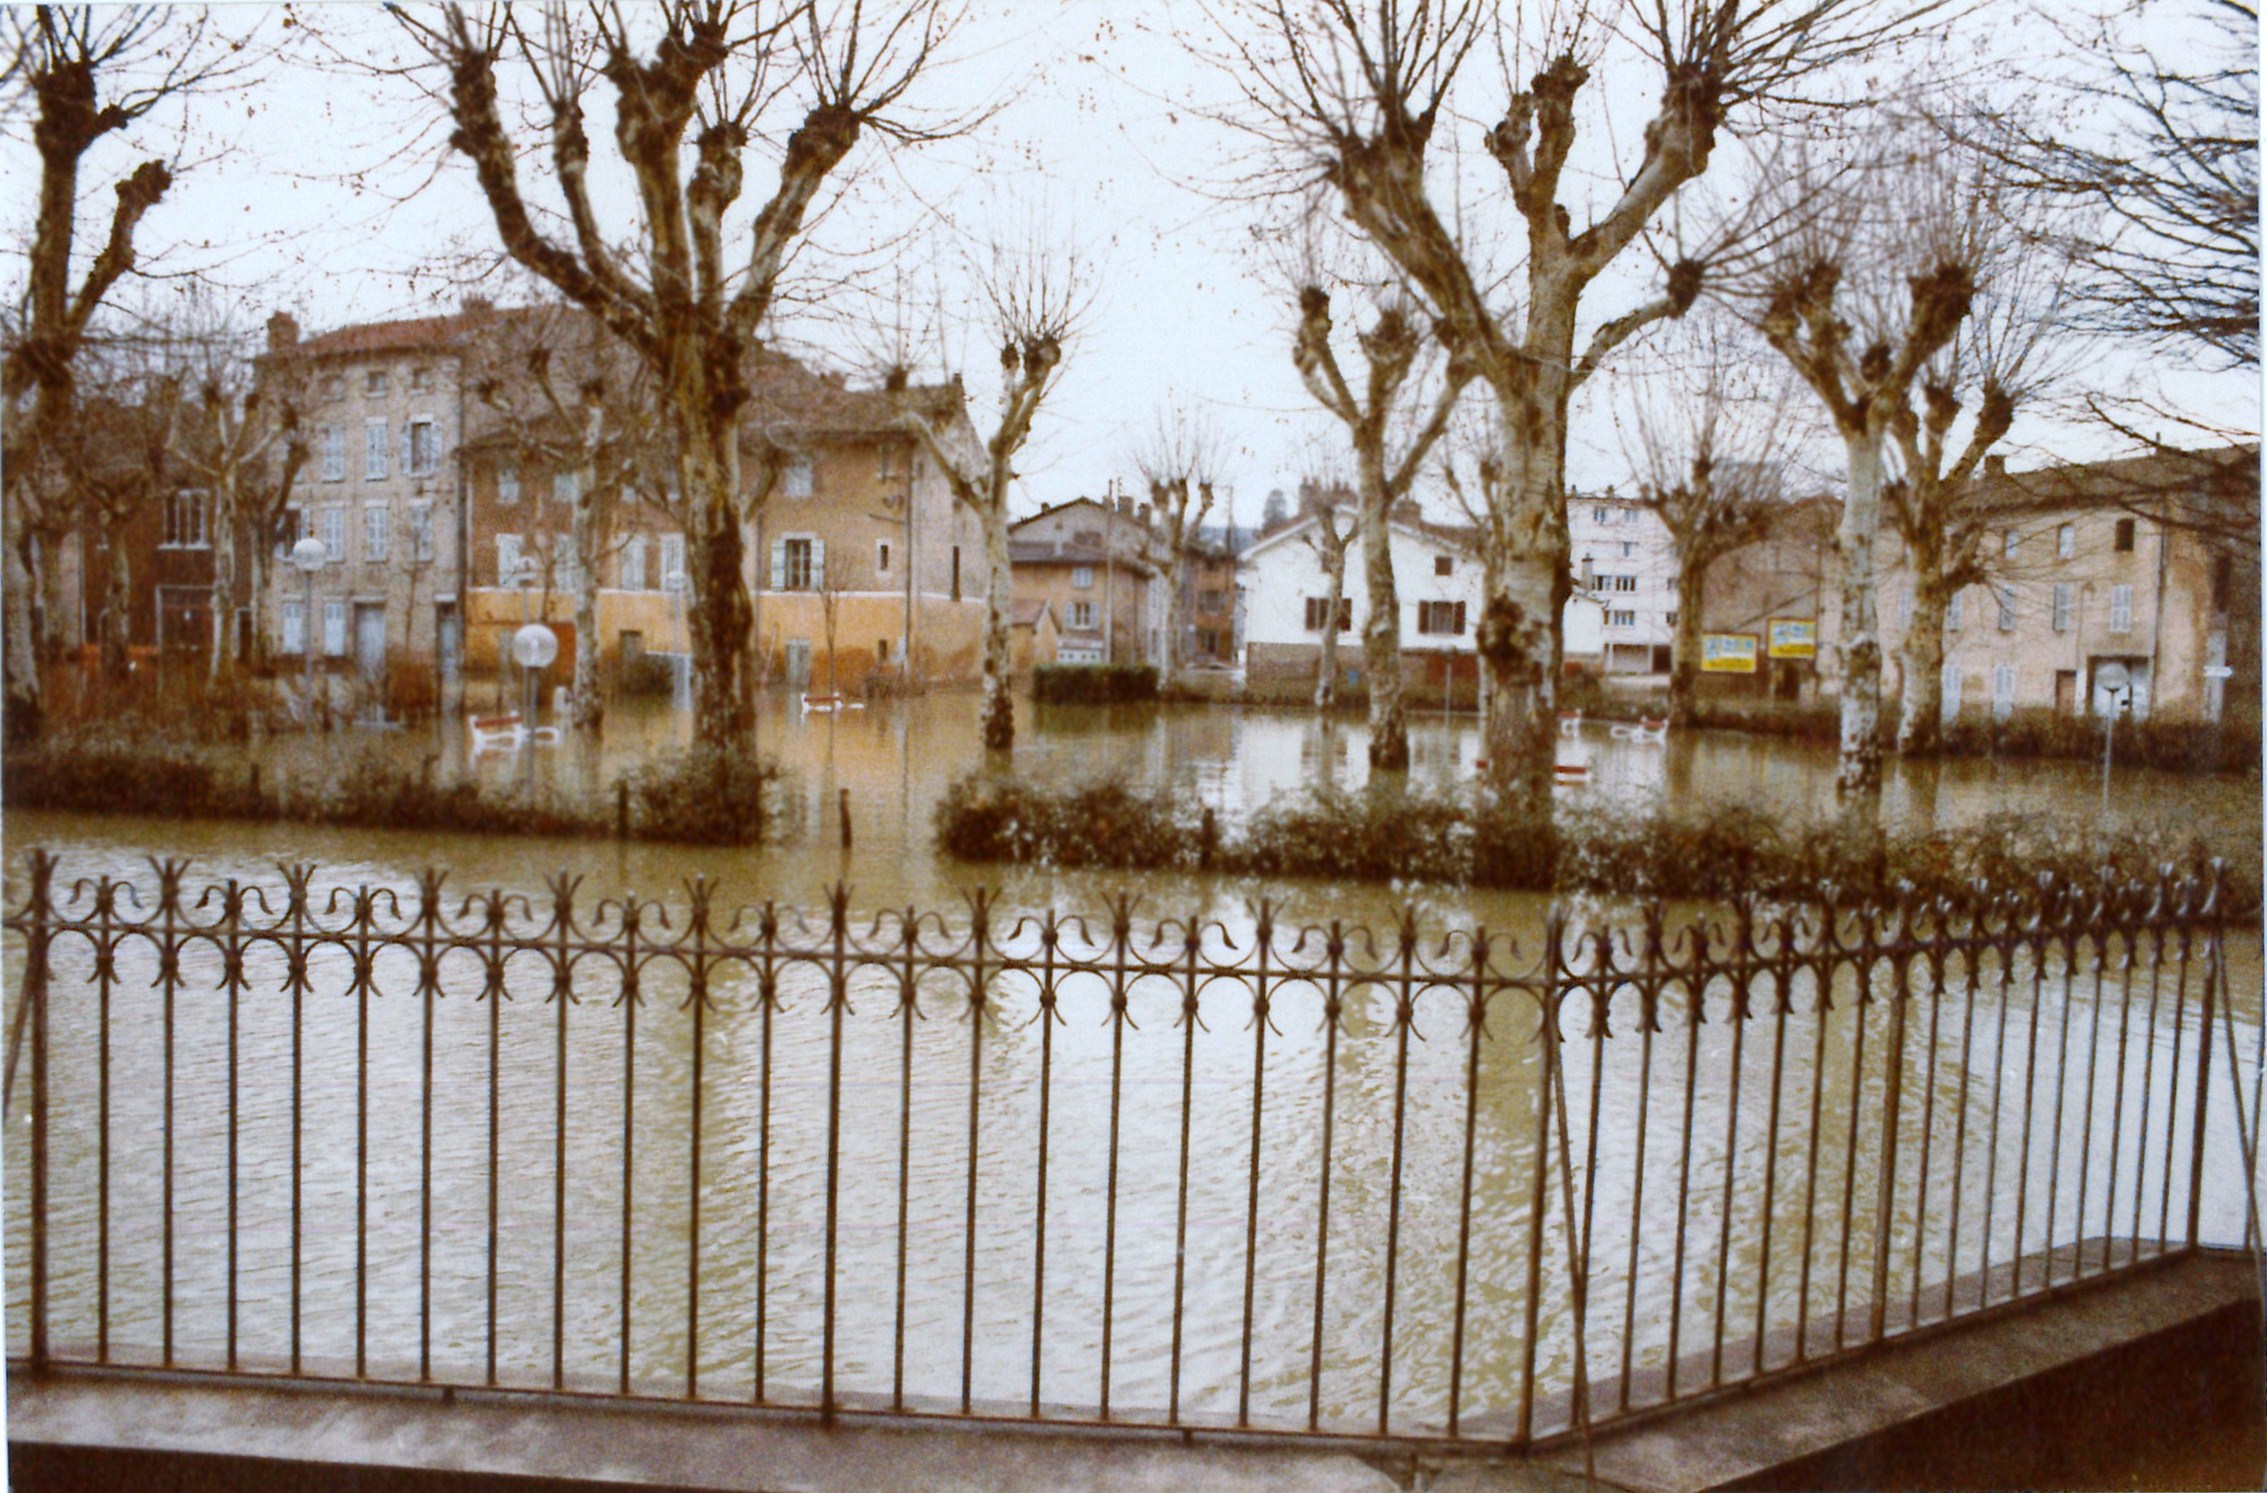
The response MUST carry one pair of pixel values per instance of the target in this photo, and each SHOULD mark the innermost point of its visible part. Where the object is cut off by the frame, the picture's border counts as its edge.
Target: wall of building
(1625, 561)
(1283, 571)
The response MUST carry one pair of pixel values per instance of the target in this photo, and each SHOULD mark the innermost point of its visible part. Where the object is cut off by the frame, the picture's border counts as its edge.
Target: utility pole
(1110, 573)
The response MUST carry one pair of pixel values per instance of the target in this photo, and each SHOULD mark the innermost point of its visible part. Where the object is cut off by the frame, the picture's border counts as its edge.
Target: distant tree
(1180, 460)
(1336, 526)
(1276, 512)
(1038, 293)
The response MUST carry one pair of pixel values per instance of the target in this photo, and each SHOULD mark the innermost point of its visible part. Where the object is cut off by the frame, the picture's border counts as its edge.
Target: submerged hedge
(702, 796)
(1093, 684)
(1384, 834)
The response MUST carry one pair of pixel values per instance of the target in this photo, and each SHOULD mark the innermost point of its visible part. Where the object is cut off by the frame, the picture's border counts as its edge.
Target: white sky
(327, 190)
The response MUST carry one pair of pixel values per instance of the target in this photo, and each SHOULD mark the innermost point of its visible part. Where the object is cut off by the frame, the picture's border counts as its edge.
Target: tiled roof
(1028, 611)
(2231, 472)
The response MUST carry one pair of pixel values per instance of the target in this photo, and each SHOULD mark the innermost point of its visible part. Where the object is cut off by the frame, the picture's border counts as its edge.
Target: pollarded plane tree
(1038, 292)
(1713, 450)
(1391, 440)
(1870, 292)
(1350, 95)
(692, 86)
(564, 391)
(85, 74)
(1335, 529)
(1180, 461)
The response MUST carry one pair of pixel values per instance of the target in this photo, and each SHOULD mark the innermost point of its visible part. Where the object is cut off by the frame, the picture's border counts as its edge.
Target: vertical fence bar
(231, 957)
(1861, 1001)
(1120, 924)
(838, 1001)
(629, 996)
(2086, 1121)
(1181, 1204)
(495, 996)
(1404, 1014)
(298, 979)
(767, 999)
(562, 996)
(102, 1123)
(1263, 942)
(1555, 982)
(1822, 1001)
(2172, 1090)
(166, 957)
(908, 985)
(1893, 1098)
(2214, 952)
(1475, 1021)
(1928, 1133)
(1960, 1136)
(979, 935)
(2071, 944)
(1039, 1187)
(2039, 947)
(2148, 1072)
(1780, 1010)
(1648, 1021)
(2007, 956)
(1330, 1011)
(35, 992)
(361, 1133)
(697, 1003)
(1695, 985)
(428, 990)
(1737, 1013)
(2117, 1101)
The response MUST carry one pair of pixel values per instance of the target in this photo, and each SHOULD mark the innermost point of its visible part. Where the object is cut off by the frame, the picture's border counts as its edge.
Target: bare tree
(1180, 461)
(1335, 529)
(1712, 459)
(1390, 448)
(687, 107)
(1038, 294)
(121, 451)
(1350, 94)
(87, 73)
(1859, 303)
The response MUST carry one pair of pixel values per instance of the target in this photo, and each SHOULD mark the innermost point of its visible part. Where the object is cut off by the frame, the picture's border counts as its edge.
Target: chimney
(1995, 467)
(283, 331)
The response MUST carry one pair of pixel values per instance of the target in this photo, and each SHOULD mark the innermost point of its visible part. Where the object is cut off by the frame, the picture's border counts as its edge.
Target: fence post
(1893, 1099)
(2215, 956)
(35, 992)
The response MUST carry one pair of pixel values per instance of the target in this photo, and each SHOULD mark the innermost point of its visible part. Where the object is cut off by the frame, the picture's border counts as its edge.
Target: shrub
(1102, 824)
(129, 770)
(1093, 684)
(704, 796)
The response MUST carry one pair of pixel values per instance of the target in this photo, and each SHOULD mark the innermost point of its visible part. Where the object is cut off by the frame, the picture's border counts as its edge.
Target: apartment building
(1625, 562)
(1100, 566)
(2151, 563)
(1787, 575)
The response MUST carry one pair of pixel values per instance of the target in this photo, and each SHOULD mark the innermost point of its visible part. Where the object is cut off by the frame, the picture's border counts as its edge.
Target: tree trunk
(223, 538)
(1857, 777)
(999, 605)
(1527, 582)
(1684, 647)
(1920, 721)
(20, 712)
(256, 556)
(718, 612)
(586, 709)
(1326, 661)
(1381, 632)
(117, 615)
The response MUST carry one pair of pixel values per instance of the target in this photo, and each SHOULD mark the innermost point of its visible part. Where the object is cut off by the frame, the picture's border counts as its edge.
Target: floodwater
(676, 1223)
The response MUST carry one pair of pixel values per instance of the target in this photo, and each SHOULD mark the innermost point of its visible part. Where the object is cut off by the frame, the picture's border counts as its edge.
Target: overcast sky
(328, 190)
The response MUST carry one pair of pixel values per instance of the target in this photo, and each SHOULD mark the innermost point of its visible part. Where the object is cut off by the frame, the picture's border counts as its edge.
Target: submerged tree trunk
(1921, 708)
(999, 605)
(718, 613)
(21, 712)
(117, 613)
(1684, 644)
(586, 706)
(1527, 583)
(1326, 661)
(1857, 776)
(1381, 631)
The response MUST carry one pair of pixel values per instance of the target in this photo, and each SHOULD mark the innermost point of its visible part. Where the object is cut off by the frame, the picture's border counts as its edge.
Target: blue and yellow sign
(1728, 652)
(1794, 637)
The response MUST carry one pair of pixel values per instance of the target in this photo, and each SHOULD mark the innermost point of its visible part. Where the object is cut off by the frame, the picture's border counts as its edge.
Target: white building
(1625, 563)
(1436, 574)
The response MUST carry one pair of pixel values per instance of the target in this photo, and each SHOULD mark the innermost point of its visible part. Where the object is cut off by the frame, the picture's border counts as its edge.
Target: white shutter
(2002, 690)
(673, 576)
(779, 565)
(408, 449)
(1951, 691)
(334, 628)
(507, 559)
(818, 565)
(294, 627)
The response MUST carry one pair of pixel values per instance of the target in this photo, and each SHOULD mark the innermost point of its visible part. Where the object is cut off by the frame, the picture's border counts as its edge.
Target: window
(333, 442)
(2007, 543)
(373, 450)
(1950, 683)
(1082, 577)
(1621, 619)
(2006, 610)
(334, 533)
(1091, 538)
(2002, 690)
(294, 627)
(1318, 607)
(798, 479)
(888, 468)
(420, 380)
(956, 572)
(334, 628)
(2065, 542)
(1672, 618)
(1599, 515)
(1212, 603)
(374, 383)
(421, 533)
(374, 532)
(564, 487)
(1952, 610)
(424, 448)
(2062, 590)
(631, 567)
(507, 485)
(1629, 548)
(2121, 607)
(672, 562)
(1082, 615)
(334, 387)
(1621, 583)
(1441, 618)
(1443, 565)
(2124, 536)
(798, 564)
(881, 557)
(507, 559)
(185, 519)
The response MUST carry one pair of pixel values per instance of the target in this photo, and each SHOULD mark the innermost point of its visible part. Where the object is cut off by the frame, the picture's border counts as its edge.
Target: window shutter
(1459, 628)
(779, 565)
(818, 565)
(408, 449)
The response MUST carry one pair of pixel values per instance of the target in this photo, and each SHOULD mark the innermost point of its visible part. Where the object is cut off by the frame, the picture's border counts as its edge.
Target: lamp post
(533, 648)
(2113, 678)
(310, 556)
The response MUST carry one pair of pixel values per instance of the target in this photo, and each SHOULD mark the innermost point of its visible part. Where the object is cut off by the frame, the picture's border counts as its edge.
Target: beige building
(859, 562)
(1101, 568)
(2151, 563)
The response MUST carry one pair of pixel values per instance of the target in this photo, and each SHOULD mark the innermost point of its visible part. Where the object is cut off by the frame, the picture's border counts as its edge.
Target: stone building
(1101, 567)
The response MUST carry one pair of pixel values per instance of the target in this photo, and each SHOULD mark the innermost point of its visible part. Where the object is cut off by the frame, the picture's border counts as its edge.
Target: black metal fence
(1224, 1171)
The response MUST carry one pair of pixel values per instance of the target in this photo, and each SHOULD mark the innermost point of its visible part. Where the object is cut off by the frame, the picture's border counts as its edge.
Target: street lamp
(533, 648)
(310, 556)
(2116, 682)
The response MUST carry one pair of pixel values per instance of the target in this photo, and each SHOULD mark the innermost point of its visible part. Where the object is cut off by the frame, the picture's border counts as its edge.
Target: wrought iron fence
(1228, 1170)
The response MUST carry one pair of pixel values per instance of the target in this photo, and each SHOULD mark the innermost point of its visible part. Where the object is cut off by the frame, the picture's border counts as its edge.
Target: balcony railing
(1226, 1171)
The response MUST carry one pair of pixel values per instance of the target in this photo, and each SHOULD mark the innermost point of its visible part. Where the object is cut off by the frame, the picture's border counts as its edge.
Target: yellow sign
(1727, 652)
(1794, 637)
